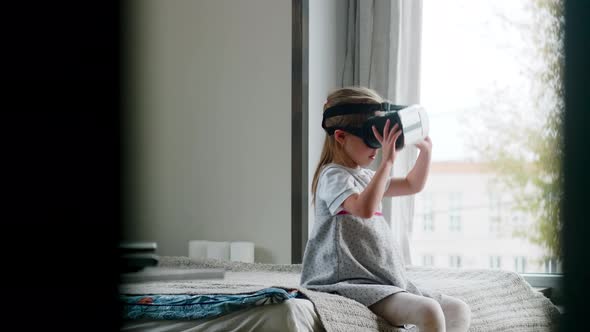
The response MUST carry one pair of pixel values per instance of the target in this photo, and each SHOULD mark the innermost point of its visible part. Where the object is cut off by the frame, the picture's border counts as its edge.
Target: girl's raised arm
(415, 180)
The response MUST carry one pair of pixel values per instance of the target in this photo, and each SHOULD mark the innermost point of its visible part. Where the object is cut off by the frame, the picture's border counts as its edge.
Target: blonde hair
(332, 150)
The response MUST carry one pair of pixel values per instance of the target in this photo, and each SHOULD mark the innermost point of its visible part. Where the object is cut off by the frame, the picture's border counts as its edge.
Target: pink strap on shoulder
(346, 212)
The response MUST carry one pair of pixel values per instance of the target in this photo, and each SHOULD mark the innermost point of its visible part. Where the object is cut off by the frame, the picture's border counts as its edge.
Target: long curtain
(383, 53)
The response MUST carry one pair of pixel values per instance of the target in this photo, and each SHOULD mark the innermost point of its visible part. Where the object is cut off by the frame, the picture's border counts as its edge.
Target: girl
(351, 251)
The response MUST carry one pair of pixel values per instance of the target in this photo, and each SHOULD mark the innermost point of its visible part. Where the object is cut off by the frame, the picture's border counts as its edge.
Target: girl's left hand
(425, 144)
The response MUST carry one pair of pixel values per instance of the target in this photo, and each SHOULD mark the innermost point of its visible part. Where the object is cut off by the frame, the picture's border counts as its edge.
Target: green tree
(524, 148)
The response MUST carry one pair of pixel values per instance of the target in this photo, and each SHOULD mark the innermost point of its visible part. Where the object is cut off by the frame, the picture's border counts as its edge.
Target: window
(519, 222)
(495, 207)
(493, 99)
(428, 213)
(428, 260)
(552, 265)
(520, 264)
(428, 223)
(495, 225)
(455, 212)
(455, 223)
(495, 262)
(455, 261)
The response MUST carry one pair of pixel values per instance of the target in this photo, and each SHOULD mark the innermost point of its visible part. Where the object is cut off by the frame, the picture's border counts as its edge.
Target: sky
(470, 50)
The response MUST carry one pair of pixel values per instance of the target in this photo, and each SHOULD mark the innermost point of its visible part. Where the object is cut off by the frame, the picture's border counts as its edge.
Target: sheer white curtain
(383, 53)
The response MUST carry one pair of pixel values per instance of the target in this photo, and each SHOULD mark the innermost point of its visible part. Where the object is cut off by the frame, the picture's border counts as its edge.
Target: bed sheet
(292, 315)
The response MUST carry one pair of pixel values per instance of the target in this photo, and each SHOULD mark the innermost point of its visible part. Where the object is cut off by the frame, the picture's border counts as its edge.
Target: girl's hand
(388, 142)
(425, 145)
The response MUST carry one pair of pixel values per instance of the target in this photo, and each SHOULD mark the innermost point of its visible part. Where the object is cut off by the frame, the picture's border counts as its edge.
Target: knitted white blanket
(499, 300)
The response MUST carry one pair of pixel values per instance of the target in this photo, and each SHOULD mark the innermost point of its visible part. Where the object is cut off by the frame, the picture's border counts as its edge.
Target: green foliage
(527, 157)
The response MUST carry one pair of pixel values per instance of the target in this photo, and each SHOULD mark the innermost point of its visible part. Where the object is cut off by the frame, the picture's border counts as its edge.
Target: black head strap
(346, 109)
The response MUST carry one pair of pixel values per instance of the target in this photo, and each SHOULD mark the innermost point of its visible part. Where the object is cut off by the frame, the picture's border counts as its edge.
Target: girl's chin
(368, 163)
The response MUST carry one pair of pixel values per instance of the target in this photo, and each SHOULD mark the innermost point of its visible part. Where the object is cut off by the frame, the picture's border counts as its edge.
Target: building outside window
(455, 261)
(495, 209)
(493, 55)
(495, 262)
(520, 264)
(552, 265)
(428, 260)
(428, 213)
(455, 212)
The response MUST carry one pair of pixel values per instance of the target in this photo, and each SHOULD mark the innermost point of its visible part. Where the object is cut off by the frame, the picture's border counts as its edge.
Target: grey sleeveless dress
(351, 256)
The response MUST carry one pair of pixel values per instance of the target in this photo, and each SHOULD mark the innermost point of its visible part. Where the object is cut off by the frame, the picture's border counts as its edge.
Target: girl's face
(356, 149)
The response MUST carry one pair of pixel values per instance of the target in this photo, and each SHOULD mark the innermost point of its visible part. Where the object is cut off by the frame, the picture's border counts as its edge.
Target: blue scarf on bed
(183, 306)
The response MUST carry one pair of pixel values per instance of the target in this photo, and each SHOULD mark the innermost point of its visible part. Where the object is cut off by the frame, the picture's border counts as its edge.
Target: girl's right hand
(388, 142)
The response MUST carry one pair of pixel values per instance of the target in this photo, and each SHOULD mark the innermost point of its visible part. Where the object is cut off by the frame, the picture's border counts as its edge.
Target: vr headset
(412, 120)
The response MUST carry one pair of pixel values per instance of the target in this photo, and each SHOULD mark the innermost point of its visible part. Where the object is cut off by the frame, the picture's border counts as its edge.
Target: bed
(499, 300)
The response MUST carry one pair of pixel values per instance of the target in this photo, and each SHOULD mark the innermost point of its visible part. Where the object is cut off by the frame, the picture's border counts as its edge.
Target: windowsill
(547, 292)
(549, 285)
(544, 290)
(561, 309)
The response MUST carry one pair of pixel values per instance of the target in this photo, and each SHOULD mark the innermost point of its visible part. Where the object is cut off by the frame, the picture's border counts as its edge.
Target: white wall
(210, 136)
(327, 46)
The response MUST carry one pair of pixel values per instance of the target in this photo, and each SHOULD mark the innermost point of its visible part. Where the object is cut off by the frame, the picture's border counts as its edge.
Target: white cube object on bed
(218, 250)
(197, 249)
(238, 251)
(242, 252)
(200, 249)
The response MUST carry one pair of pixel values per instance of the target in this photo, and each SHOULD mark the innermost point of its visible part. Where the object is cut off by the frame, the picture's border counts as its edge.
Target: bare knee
(457, 314)
(464, 316)
(432, 316)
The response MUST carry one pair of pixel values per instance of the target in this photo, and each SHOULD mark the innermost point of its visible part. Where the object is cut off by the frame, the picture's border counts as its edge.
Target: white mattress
(290, 316)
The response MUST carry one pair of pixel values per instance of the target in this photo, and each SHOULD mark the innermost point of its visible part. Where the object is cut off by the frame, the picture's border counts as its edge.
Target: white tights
(451, 315)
